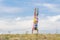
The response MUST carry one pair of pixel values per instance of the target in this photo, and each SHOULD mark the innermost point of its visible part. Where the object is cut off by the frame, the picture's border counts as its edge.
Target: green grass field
(29, 36)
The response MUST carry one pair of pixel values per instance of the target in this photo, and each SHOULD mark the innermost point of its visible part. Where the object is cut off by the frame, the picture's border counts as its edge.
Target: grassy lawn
(29, 36)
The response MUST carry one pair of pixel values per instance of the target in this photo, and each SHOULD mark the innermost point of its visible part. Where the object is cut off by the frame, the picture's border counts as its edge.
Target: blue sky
(30, 4)
(18, 14)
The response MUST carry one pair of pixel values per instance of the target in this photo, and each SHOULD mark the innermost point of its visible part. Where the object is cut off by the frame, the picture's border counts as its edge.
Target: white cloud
(18, 18)
(54, 18)
(50, 23)
(17, 23)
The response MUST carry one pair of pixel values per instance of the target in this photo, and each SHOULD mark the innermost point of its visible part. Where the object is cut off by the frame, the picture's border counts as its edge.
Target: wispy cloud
(50, 6)
(10, 9)
(4, 9)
